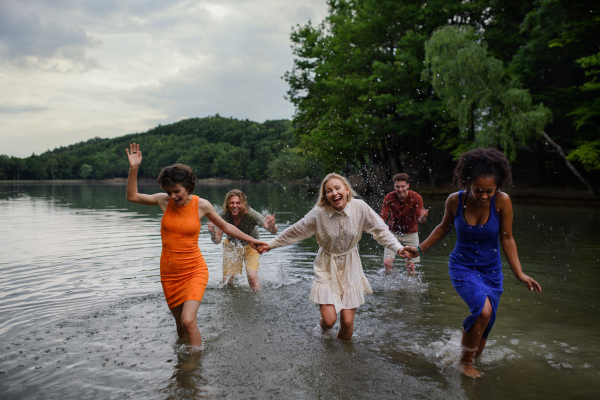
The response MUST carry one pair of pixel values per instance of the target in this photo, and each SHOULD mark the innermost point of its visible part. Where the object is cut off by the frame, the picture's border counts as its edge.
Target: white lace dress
(338, 234)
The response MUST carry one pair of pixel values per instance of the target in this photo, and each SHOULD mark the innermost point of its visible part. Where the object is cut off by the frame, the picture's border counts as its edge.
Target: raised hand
(270, 223)
(134, 155)
(424, 213)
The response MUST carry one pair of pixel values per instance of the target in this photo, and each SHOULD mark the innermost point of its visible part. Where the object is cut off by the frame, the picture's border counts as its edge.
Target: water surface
(82, 313)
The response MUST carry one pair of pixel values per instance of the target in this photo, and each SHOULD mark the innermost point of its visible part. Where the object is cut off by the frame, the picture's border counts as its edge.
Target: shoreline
(531, 194)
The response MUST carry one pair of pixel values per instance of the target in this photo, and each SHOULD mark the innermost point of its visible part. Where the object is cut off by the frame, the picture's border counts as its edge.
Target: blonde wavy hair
(322, 202)
(243, 201)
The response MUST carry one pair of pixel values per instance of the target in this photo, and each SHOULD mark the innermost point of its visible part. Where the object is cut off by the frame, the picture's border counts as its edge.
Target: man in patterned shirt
(405, 210)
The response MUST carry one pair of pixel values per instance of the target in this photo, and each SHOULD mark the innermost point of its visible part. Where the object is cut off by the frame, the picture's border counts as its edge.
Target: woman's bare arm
(134, 156)
(206, 209)
(440, 231)
(505, 212)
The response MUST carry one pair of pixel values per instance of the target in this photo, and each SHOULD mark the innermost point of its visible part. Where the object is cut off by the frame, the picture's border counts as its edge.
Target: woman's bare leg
(253, 279)
(472, 341)
(187, 326)
(228, 279)
(482, 343)
(176, 311)
(346, 324)
(328, 316)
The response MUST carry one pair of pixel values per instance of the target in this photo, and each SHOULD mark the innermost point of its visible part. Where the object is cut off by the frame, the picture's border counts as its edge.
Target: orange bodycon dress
(183, 271)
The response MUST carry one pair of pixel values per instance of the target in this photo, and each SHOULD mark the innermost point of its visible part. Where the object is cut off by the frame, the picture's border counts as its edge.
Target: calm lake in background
(82, 314)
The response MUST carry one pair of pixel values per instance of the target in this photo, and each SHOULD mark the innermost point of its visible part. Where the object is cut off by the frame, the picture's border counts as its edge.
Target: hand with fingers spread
(270, 224)
(134, 155)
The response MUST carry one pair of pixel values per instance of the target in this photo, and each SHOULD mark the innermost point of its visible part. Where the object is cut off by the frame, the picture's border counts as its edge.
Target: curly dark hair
(482, 162)
(177, 174)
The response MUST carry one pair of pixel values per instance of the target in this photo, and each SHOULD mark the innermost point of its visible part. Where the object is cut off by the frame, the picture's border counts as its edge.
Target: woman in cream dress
(338, 221)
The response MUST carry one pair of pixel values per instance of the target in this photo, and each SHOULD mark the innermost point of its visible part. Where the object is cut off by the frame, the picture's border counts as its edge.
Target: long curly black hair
(482, 163)
(177, 174)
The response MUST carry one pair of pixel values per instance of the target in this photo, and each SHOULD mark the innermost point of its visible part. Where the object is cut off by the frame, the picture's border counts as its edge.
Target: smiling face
(401, 187)
(337, 193)
(483, 189)
(235, 204)
(178, 194)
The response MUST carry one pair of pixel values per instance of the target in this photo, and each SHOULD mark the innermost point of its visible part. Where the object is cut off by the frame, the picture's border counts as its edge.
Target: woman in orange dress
(183, 271)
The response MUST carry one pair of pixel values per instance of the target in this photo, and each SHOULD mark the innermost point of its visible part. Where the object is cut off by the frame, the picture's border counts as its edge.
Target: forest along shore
(526, 193)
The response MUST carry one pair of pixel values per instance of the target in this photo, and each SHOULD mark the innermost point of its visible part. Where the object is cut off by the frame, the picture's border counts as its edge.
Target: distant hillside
(213, 146)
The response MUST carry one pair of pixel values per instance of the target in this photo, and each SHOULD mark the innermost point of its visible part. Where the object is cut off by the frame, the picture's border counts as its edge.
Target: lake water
(82, 314)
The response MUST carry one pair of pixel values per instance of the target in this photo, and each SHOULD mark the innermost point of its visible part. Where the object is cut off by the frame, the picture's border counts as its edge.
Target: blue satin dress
(475, 264)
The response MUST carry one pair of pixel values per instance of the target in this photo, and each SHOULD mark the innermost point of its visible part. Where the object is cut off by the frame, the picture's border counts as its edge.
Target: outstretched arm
(374, 225)
(440, 231)
(508, 241)
(134, 155)
(301, 230)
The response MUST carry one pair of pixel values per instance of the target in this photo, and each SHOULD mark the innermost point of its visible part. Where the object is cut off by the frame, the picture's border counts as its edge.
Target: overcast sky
(71, 70)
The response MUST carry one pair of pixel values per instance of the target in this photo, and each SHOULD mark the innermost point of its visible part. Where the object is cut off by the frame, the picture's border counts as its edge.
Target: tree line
(213, 146)
(380, 79)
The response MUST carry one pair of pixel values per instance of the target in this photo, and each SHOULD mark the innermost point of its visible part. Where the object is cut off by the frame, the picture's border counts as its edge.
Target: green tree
(85, 171)
(290, 166)
(356, 82)
(489, 105)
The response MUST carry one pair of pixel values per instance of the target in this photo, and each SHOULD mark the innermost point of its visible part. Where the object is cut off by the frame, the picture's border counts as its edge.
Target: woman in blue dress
(482, 216)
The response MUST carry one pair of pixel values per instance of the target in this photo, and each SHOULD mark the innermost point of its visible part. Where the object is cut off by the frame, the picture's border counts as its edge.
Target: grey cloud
(20, 109)
(27, 41)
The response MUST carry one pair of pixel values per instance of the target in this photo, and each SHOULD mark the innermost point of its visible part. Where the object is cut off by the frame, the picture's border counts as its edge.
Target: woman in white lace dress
(338, 221)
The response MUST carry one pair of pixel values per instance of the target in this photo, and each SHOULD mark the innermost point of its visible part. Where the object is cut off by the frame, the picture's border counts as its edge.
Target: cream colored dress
(338, 234)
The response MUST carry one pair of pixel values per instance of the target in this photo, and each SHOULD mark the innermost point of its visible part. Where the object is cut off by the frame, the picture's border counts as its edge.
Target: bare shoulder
(452, 200)
(162, 199)
(204, 204)
(503, 200)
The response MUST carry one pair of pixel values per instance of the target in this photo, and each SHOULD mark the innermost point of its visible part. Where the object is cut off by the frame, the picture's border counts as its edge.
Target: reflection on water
(82, 313)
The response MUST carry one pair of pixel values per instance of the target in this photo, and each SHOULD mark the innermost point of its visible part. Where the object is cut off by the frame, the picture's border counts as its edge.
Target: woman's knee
(486, 313)
(327, 321)
(188, 322)
(347, 323)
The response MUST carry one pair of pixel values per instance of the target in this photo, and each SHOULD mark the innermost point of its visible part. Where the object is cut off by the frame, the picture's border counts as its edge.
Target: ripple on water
(82, 315)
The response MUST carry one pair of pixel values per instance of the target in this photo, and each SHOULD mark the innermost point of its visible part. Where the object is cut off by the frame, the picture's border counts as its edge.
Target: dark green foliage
(290, 166)
(360, 98)
(212, 146)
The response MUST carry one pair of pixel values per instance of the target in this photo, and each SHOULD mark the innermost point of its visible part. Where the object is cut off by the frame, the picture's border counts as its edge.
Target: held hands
(134, 155)
(261, 247)
(408, 252)
(529, 282)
